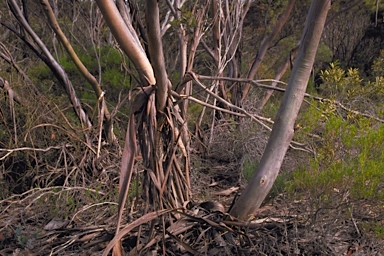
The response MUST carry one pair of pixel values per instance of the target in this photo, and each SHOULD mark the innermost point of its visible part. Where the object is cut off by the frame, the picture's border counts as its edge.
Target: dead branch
(42, 51)
(279, 89)
(240, 111)
(83, 70)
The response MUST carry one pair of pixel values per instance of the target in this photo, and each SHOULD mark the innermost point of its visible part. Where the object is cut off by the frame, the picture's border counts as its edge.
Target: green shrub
(349, 147)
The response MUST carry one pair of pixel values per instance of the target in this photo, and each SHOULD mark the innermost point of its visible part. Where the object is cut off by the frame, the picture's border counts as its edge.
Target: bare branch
(10, 151)
(279, 89)
(53, 64)
(81, 67)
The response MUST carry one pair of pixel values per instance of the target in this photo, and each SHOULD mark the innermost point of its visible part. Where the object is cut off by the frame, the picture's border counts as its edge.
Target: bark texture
(128, 41)
(282, 132)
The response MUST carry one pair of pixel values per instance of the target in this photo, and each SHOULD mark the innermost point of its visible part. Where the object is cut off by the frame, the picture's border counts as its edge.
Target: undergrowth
(349, 146)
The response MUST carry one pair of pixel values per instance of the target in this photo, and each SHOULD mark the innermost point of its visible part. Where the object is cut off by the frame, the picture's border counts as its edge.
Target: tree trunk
(282, 132)
(127, 38)
(155, 47)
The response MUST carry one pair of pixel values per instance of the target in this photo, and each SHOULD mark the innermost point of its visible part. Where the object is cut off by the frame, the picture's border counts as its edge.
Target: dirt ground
(285, 224)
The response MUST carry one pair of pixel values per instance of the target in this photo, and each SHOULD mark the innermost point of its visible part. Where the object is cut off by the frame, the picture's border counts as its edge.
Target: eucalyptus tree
(161, 120)
(282, 131)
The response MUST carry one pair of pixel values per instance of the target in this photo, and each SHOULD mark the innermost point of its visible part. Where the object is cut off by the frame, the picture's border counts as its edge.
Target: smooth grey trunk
(155, 47)
(282, 132)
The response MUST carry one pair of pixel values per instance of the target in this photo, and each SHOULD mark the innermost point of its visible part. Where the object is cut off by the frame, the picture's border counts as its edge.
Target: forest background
(66, 103)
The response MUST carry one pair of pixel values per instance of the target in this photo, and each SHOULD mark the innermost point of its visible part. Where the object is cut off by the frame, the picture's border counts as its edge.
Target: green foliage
(249, 168)
(187, 18)
(194, 111)
(271, 109)
(371, 4)
(279, 186)
(349, 147)
(287, 44)
(348, 86)
(374, 227)
(25, 238)
(113, 78)
(349, 156)
(63, 204)
(340, 83)
(110, 65)
(323, 55)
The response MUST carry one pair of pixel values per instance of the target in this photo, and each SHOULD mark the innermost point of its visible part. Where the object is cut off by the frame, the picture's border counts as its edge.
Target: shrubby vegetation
(113, 67)
(349, 147)
(340, 131)
(343, 125)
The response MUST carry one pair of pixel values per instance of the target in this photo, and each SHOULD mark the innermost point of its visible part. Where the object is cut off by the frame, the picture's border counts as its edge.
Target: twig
(258, 84)
(10, 151)
(75, 238)
(354, 223)
(227, 103)
(90, 206)
(101, 109)
(243, 80)
(31, 192)
(254, 117)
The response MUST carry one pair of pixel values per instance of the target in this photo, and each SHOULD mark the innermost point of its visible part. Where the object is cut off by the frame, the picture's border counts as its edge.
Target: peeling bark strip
(282, 131)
